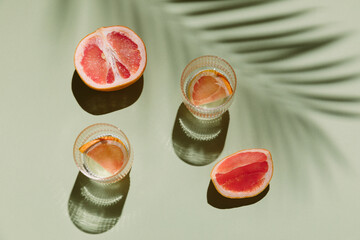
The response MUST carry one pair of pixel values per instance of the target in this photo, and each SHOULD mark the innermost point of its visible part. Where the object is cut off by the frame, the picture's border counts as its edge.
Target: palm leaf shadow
(274, 111)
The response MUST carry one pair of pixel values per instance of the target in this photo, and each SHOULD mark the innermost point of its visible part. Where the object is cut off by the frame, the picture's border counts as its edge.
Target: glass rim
(188, 101)
(111, 178)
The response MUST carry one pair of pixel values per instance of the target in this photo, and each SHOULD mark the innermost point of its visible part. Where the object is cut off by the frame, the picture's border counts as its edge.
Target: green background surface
(298, 95)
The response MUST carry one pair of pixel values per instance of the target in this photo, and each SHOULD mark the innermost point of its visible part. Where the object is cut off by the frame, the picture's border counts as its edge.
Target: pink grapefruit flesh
(243, 174)
(209, 86)
(110, 58)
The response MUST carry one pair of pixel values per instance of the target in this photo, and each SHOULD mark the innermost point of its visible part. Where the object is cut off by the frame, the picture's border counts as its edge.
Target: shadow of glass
(198, 142)
(98, 102)
(215, 199)
(95, 207)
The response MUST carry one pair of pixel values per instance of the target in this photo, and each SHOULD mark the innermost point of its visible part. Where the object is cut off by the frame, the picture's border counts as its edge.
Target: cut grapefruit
(243, 174)
(209, 86)
(109, 152)
(110, 58)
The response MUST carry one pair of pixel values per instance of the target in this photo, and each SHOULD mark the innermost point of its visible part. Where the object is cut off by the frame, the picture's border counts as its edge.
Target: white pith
(254, 192)
(110, 54)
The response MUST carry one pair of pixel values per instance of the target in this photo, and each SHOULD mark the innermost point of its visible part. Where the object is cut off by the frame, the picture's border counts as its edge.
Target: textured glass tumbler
(93, 132)
(203, 63)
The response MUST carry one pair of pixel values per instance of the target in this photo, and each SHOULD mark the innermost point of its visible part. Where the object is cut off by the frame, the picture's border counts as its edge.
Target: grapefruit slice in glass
(110, 58)
(107, 153)
(243, 174)
(209, 86)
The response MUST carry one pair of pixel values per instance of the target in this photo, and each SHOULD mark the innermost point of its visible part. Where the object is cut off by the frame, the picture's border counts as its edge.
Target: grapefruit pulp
(110, 58)
(108, 152)
(209, 86)
(243, 174)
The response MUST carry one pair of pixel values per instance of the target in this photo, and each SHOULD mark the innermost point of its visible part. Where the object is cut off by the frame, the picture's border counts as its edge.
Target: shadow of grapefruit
(98, 102)
(215, 199)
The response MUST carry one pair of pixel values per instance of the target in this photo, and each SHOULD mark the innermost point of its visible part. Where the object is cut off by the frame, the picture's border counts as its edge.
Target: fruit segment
(94, 65)
(245, 178)
(126, 49)
(209, 86)
(122, 70)
(108, 152)
(241, 159)
(110, 76)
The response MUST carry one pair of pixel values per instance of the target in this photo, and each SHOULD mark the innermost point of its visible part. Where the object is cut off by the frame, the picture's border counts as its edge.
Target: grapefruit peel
(241, 167)
(87, 145)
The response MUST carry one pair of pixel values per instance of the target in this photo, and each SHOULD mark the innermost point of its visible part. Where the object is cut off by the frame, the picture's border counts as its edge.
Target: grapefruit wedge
(108, 152)
(110, 58)
(209, 86)
(243, 174)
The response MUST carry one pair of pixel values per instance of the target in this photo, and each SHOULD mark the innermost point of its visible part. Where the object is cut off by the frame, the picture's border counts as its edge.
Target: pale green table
(298, 95)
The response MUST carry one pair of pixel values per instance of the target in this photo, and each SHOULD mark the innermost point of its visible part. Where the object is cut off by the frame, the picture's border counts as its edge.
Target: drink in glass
(103, 153)
(208, 84)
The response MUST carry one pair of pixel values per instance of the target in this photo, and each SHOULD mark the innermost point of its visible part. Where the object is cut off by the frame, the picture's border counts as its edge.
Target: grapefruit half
(243, 174)
(209, 86)
(110, 58)
(107, 151)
